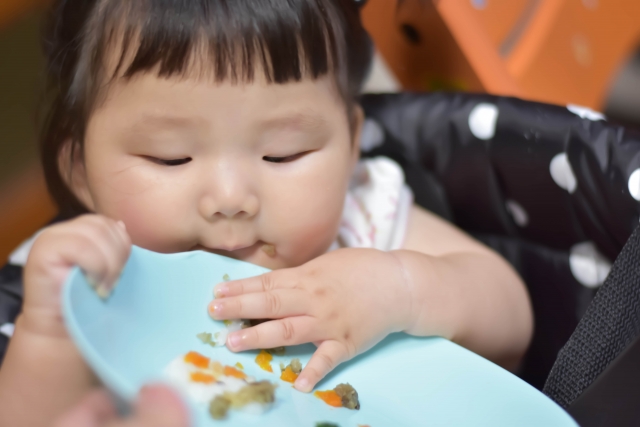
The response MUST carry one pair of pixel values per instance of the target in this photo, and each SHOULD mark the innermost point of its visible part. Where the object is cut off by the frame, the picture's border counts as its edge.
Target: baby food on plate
(222, 387)
(343, 395)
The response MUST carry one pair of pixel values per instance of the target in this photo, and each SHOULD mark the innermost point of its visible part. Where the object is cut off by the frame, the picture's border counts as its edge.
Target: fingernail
(214, 307)
(221, 290)
(234, 341)
(104, 291)
(302, 384)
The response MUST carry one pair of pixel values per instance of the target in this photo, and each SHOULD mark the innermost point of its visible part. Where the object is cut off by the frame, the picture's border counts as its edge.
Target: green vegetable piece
(205, 337)
(226, 278)
(325, 424)
(219, 407)
(349, 396)
(262, 392)
(296, 366)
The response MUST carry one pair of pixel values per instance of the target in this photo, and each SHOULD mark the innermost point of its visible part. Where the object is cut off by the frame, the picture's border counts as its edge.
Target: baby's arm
(42, 374)
(443, 283)
(464, 291)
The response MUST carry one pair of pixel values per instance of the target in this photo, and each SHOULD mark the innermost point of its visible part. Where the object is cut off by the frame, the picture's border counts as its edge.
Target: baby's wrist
(33, 322)
(409, 309)
(433, 308)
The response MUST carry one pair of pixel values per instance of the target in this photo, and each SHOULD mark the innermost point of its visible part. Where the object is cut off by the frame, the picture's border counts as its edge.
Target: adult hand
(157, 406)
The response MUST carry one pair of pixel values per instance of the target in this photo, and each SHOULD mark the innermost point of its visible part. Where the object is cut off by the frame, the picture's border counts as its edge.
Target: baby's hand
(99, 245)
(345, 302)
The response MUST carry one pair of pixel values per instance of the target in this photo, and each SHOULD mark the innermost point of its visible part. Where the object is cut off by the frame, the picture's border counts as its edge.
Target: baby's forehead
(147, 103)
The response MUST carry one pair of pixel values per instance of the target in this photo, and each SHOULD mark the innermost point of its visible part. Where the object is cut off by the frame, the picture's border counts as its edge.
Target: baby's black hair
(89, 43)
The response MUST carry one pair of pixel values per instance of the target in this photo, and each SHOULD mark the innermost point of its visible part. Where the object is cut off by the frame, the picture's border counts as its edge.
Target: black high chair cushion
(546, 186)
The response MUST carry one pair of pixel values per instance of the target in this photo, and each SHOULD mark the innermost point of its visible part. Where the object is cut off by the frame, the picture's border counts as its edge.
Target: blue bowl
(160, 306)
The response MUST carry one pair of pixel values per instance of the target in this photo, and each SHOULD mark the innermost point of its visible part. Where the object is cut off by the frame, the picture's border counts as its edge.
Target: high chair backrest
(554, 51)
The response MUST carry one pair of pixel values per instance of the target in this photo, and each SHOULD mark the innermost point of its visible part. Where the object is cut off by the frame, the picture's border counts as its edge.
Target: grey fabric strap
(610, 324)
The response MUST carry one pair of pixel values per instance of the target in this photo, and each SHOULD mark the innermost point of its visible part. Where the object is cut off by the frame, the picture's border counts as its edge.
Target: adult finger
(276, 333)
(274, 304)
(94, 410)
(328, 355)
(159, 406)
(280, 279)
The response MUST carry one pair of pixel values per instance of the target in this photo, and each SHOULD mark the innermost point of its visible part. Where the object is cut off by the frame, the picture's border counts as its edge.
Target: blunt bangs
(226, 40)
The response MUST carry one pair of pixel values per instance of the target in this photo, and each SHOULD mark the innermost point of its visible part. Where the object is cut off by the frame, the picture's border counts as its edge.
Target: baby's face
(189, 164)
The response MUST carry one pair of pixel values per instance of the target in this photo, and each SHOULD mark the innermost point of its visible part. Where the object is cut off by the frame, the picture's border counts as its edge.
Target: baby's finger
(281, 279)
(276, 333)
(111, 240)
(328, 355)
(266, 305)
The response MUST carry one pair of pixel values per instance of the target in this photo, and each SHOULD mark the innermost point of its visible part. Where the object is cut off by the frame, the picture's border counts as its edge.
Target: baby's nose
(228, 199)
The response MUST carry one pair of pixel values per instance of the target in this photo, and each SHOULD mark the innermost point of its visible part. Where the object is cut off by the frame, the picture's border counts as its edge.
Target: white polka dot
(588, 266)
(520, 216)
(634, 184)
(482, 121)
(586, 113)
(372, 135)
(562, 173)
(590, 4)
(7, 329)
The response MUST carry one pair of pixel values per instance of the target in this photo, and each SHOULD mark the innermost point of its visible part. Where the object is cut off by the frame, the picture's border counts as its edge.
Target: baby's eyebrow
(167, 121)
(302, 120)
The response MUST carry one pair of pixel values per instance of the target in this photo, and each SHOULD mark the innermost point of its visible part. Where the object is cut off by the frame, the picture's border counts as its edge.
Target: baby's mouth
(241, 252)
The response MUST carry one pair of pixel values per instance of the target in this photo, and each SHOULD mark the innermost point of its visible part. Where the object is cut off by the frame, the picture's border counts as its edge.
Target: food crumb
(330, 397)
(239, 365)
(230, 371)
(270, 250)
(288, 375)
(219, 407)
(263, 359)
(343, 395)
(226, 278)
(290, 372)
(206, 338)
(197, 359)
(326, 425)
(349, 396)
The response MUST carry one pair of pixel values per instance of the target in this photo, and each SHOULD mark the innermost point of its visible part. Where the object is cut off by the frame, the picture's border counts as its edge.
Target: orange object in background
(556, 51)
(26, 205)
(10, 10)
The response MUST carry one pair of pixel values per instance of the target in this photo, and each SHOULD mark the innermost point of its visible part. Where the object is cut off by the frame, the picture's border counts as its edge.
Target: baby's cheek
(150, 225)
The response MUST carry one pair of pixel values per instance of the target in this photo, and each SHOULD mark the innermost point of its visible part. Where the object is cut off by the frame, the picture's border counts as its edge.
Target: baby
(232, 126)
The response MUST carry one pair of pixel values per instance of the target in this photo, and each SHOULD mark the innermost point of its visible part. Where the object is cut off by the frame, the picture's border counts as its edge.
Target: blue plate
(160, 305)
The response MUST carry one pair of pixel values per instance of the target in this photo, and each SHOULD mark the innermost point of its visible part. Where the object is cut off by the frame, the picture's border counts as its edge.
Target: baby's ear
(357, 120)
(73, 172)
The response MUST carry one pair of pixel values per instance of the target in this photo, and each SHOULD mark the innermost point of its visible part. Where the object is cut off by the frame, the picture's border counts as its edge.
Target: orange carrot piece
(330, 397)
(230, 371)
(288, 375)
(199, 377)
(197, 359)
(263, 359)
